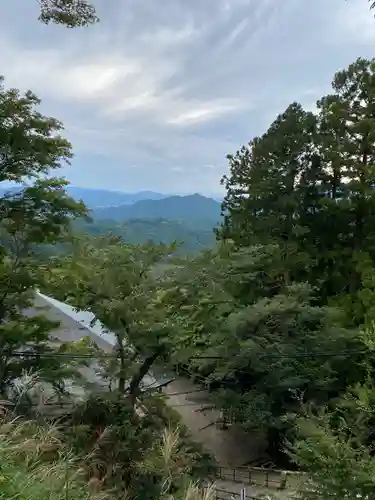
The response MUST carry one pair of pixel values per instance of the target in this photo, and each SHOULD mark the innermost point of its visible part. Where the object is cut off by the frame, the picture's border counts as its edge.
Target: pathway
(230, 447)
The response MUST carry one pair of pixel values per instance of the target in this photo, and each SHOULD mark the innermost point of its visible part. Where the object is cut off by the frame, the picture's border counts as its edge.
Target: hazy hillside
(178, 208)
(94, 198)
(102, 198)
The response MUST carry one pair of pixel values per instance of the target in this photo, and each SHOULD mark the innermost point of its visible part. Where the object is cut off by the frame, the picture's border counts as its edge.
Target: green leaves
(307, 186)
(38, 214)
(114, 281)
(30, 143)
(71, 13)
(338, 462)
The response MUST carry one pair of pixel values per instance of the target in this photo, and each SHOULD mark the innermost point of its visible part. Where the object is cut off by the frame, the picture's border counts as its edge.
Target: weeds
(35, 464)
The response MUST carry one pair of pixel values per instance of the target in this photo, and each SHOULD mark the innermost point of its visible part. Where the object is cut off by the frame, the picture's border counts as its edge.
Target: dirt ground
(230, 447)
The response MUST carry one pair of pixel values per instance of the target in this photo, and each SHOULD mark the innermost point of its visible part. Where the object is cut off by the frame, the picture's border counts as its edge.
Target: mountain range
(98, 198)
(148, 216)
(180, 208)
(95, 198)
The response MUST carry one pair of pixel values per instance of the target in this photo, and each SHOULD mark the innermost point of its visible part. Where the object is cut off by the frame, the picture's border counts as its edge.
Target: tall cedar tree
(307, 185)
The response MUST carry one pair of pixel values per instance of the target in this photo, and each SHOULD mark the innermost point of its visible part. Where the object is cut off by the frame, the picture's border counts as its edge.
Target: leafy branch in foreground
(71, 13)
(333, 448)
(38, 214)
(113, 281)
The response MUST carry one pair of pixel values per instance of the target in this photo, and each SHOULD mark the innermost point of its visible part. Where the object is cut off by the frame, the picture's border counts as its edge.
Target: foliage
(37, 463)
(191, 238)
(335, 452)
(30, 146)
(112, 280)
(307, 184)
(70, 13)
(261, 345)
(300, 203)
(142, 457)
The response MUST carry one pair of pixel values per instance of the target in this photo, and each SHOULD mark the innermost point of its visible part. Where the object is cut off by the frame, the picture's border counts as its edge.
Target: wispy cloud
(198, 113)
(158, 93)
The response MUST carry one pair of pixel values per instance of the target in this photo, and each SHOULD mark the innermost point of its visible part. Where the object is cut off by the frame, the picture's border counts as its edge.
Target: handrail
(269, 478)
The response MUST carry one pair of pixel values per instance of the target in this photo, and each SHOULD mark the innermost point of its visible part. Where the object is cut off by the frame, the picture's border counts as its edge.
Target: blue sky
(158, 93)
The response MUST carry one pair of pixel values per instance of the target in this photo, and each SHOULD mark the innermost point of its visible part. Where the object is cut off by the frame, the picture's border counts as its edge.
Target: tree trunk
(122, 378)
(138, 377)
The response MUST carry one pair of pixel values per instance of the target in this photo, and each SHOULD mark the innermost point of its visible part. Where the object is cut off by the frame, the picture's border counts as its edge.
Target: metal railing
(268, 478)
(221, 494)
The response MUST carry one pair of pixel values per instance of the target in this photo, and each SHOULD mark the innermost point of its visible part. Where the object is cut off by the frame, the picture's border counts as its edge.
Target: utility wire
(200, 379)
(260, 356)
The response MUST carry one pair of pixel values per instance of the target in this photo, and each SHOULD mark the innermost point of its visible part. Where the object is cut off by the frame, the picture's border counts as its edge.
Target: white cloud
(158, 87)
(117, 84)
(198, 113)
(166, 36)
(354, 22)
(241, 26)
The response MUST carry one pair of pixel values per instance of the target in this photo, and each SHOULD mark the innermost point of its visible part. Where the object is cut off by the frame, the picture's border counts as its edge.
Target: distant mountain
(193, 207)
(94, 198)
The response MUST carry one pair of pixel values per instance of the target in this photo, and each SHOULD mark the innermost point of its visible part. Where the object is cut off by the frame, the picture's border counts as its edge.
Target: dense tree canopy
(113, 281)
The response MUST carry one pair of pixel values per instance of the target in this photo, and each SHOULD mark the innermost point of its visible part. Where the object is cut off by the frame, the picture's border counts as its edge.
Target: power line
(198, 378)
(169, 394)
(260, 356)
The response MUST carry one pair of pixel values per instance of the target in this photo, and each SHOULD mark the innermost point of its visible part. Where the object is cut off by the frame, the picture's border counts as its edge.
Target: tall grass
(35, 464)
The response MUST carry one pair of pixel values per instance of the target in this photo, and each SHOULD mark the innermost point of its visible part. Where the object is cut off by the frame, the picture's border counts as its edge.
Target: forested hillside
(189, 221)
(189, 238)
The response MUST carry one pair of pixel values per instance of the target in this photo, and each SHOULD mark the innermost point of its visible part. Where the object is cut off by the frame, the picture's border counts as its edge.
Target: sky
(159, 92)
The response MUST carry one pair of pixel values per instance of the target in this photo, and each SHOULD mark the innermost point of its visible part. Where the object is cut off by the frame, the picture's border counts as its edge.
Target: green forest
(191, 236)
(276, 319)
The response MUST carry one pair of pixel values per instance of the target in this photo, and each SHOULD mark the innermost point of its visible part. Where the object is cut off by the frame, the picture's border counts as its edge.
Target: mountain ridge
(100, 198)
(94, 198)
(176, 207)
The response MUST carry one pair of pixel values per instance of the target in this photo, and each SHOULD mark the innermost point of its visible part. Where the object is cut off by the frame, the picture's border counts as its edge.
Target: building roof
(75, 325)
